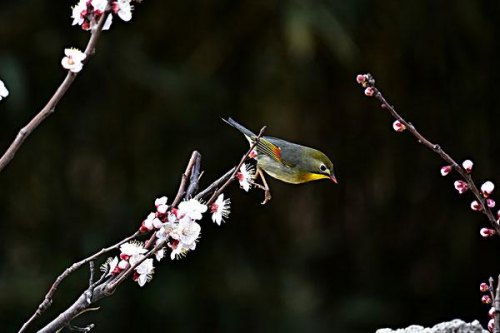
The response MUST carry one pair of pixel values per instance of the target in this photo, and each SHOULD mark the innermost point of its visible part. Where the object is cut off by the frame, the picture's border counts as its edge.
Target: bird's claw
(267, 196)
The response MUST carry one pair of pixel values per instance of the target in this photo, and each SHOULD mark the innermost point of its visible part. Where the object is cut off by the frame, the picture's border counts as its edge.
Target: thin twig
(49, 108)
(184, 178)
(48, 297)
(496, 304)
(243, 159)
(370, 83)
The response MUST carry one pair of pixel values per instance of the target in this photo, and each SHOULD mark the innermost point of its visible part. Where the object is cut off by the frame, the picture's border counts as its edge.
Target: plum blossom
(144, 271)
(220, 209)
(87, 13)
(245, 176)
(192, 209)
(3, 90)
(73, 60)
(131, 249)
(185, 235)
(123, 9)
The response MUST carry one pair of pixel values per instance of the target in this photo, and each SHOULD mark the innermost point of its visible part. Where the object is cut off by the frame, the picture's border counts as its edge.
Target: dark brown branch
(107, 285)
(185, 176)
(48, 297)
(370, 83)
(49, 108)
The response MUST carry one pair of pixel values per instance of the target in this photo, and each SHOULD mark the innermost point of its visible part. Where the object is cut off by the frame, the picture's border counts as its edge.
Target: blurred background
(391, 245)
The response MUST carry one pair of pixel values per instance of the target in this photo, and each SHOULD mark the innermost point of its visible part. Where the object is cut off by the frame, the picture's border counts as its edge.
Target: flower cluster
(175, 227)
(87, 13)
(487, 299)
(3, 90)
(131, 254)
(178, 227)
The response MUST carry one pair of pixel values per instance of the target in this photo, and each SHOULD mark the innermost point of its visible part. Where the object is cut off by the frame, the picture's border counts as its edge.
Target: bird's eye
(322, 167)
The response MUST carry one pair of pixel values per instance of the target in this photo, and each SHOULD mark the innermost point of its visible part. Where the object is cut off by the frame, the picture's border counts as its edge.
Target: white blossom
(192, 209)
(78, 12)
(220, 209)
(3, 90)
(245, 176)
(132, 248)
(73, 60)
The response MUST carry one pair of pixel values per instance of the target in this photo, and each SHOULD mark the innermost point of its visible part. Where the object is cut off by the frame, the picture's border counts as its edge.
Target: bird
(286, 161)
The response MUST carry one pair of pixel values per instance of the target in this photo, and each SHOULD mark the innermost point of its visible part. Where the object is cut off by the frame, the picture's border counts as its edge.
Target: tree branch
(49, 108)
(368, 82)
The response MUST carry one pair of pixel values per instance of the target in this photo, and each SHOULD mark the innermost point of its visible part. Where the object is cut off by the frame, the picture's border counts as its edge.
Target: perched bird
(286, 161)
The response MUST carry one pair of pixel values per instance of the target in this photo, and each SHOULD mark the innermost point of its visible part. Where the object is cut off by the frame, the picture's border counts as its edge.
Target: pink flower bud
(124, 256)
(116, 270)
(253, 154)
(475, 205)
(491, 313)
(491, 325)
(461, 186)
(467, 164)
(487, 188)
(446, 170)
(369, 91)
(486, 299)
(146, 226)
(490, 202)
(360, 78)
(398, 126)
(486, 232)
(483, 287)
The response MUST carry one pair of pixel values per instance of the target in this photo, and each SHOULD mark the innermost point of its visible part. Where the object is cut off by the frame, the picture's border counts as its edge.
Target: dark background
(392, 244)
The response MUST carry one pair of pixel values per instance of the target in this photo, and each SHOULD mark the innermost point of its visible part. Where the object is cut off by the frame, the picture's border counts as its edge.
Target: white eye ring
(322, 168)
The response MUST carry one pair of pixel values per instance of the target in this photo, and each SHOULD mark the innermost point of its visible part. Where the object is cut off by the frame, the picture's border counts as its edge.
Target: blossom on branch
(192, 209)
(245, 176)
(3, 90)
(144, 271)
(220, 209)
(73, 60)
(87, 13)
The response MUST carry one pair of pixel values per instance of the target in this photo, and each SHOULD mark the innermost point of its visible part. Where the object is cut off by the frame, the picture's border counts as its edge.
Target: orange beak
(333, 179)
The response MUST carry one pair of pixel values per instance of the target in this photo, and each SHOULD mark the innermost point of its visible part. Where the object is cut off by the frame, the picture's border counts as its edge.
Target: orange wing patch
(277, 152)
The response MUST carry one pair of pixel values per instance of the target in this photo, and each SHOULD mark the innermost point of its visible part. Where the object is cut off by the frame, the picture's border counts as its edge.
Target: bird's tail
(249, 134)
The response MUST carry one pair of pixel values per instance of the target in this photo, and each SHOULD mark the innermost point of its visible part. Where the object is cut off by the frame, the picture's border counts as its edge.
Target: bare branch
(372, 90)
(49, 108)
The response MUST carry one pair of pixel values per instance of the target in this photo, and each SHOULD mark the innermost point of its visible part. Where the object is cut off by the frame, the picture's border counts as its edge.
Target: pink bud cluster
(366, 81)
(486, 299)
(486, 190)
